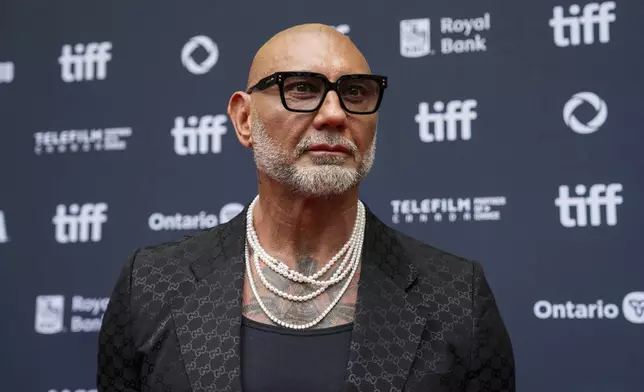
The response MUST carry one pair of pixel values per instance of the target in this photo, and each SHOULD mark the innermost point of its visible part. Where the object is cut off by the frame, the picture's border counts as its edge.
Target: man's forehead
(329, 53)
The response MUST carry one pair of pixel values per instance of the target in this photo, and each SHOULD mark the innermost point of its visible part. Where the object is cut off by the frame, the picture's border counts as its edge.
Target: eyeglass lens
(306, 92)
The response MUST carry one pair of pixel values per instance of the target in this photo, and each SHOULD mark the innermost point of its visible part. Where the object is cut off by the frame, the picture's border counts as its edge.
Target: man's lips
(329, 148)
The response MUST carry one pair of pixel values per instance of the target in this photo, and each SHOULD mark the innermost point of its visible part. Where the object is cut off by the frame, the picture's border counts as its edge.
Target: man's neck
(291, 227)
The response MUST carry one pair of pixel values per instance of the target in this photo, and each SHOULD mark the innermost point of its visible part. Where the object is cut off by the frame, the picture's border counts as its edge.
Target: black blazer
(425, 320)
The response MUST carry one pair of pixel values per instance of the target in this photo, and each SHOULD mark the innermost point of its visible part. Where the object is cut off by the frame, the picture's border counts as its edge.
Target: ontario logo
(632, 309)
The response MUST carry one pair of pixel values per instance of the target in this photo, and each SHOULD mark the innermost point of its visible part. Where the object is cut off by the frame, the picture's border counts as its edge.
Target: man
(306, 289)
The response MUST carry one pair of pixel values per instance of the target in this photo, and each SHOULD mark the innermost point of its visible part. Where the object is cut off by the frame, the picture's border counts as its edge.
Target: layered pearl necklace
(351, 251)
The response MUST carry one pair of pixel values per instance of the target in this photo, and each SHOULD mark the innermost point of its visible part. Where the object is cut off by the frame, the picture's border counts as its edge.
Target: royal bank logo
(201, 135)
(84, 62)
(50, 314)
(415, 37)
(86, 314)
(632, 309)
(461, 209)
(203, 220)
(601, 113)
(4, 237)
(580, 24)
(595, 205)
(463, 35)
(79, 222)
(205, 45)
(6, 72)
(447, 122)
(82, 140)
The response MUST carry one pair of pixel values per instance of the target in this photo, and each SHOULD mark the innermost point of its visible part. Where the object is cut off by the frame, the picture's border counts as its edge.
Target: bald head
(265, 120)
(308, 47)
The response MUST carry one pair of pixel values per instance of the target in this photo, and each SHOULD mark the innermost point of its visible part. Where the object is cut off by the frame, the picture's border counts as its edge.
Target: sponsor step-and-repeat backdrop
(510, 134)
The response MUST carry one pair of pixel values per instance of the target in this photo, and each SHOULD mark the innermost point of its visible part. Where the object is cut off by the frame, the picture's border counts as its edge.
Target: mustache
(323, 138)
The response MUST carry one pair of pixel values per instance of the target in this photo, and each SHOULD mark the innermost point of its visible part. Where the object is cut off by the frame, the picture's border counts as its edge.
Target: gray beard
(326, 178)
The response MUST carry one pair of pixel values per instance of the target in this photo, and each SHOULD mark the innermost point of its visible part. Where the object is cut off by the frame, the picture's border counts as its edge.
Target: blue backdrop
(510, 133)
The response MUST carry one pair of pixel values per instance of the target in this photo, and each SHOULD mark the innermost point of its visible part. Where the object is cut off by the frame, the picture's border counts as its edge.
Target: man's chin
(309, 179)
(326, 180)
(321, 190)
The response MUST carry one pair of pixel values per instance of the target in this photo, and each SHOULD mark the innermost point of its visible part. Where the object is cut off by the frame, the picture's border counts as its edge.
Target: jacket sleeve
(118, 367)
(491, 367)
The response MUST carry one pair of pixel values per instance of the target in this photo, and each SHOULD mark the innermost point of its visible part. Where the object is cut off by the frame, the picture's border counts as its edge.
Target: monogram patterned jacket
(425, 320)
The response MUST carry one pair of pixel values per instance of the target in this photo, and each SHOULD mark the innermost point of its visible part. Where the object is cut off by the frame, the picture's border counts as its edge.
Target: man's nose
(330, 114)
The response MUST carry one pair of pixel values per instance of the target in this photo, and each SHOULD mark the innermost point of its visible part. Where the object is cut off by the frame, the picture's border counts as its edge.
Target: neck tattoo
(350, 254)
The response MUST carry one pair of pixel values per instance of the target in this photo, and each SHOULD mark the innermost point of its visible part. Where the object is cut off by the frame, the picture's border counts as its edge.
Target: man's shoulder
(177, 254)
(429, 259)
(158, 273)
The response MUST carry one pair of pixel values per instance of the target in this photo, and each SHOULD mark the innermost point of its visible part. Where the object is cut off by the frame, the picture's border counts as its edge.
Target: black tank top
(278, 359)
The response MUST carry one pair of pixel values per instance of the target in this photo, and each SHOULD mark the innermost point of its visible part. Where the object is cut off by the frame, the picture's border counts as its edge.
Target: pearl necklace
(351, 251)
(282, 269)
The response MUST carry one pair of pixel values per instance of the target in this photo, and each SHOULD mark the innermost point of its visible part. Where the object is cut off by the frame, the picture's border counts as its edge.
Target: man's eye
(302, 87)
(355, 90)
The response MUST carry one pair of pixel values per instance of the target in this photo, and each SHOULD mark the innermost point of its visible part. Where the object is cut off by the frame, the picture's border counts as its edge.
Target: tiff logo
(599, 195)
(343, 28)
(79, 223)
(85, 62)
(445, 120)
(593, 14)
(201, 136)
(3, 229)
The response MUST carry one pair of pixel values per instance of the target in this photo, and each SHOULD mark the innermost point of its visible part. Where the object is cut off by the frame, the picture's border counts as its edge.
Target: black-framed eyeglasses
(305, 91)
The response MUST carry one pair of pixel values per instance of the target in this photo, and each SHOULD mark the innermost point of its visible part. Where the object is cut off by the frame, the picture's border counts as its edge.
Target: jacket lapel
(207, 314)
(389, 322)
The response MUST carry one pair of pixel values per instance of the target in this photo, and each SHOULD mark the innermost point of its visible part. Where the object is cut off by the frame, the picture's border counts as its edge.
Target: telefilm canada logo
(82, 140)
(86, 314)
(457, 35)
(631, 308)
(203, 220)
(460, 209)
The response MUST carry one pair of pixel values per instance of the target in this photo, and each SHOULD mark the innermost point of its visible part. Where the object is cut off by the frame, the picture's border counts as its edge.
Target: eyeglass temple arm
(263, 84)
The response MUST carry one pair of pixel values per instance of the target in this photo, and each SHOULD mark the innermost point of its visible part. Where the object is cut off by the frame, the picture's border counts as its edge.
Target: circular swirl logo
(193, 44)
(593, 125)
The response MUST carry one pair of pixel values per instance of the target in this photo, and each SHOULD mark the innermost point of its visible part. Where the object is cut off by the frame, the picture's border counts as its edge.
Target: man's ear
(239, 114)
